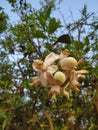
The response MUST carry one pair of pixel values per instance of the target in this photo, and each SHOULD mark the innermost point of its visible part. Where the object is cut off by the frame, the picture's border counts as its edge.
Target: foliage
(3, 20)
(23, 107)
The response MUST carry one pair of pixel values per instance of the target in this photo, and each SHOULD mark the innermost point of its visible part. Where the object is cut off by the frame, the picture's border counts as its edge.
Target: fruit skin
(68, 63)
(60, 77)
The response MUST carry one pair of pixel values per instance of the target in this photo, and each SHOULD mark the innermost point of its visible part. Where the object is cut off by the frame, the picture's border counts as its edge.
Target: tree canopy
(34, 36)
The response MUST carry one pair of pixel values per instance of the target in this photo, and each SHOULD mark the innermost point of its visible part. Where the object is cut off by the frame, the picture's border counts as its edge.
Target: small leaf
(86, 40)
(4, 124)
(96, 27)
(39, 34)
(53, 25)
(87, 45)
(49, 8)
(42, 18)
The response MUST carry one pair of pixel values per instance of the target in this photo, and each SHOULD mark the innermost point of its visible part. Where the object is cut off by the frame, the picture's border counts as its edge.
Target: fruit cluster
(58, 72)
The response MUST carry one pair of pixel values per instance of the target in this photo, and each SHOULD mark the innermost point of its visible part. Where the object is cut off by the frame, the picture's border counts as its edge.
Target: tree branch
(33, 44)
(50, 120)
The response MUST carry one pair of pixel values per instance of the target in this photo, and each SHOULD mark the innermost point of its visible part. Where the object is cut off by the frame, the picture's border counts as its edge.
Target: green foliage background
(23, 107)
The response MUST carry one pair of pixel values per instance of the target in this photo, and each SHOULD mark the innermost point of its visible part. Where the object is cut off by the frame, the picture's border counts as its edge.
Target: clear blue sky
(76, 5)
(66, 7)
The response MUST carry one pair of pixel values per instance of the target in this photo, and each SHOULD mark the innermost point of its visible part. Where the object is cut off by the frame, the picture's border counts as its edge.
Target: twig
(33, 44)
(50, 120)
(23, 75)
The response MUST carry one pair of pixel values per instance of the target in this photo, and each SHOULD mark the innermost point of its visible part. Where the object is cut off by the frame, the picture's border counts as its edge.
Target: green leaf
(86, 41)
(96, 27)
(4, 124)
(39, 34)
(87, 45)
(48, 11)
(48, 46)
(92, 127)
(41, 18)
(53, 25)
(3, 21)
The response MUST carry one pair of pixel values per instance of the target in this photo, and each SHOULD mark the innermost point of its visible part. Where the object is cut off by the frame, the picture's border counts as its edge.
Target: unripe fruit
(60, 77)
(68, 63)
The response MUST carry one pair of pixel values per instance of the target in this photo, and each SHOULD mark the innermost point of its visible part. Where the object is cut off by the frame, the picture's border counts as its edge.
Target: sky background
(66, 8)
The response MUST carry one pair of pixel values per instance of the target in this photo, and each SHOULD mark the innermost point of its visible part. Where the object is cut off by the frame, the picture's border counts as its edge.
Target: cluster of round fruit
(58, 72)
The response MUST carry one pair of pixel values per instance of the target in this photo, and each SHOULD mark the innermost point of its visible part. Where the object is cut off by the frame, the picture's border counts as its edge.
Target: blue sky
(66, 7)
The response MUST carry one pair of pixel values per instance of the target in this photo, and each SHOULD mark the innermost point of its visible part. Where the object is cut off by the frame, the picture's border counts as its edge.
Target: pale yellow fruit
(68, 63)
(60, 77)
